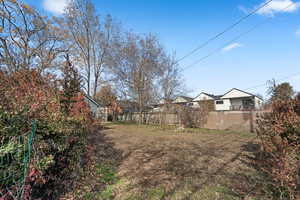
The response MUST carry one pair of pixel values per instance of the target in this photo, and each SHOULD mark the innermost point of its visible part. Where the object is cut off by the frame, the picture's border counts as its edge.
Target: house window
(219, 102)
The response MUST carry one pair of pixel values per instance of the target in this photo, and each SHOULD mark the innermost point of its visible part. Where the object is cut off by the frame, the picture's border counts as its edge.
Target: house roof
(216, 97)
(242, 92)
(186, 98)
(127, 104)
(210, 95)
(91, 100)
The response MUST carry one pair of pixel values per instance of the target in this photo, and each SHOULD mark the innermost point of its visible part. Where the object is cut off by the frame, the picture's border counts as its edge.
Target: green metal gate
(15, 155)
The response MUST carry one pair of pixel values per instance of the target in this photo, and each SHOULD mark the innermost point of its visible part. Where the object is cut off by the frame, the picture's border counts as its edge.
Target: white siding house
(237, 99)
(234, 99)
(258, 103)
(222, 104)
(182, 100)
(202, 97)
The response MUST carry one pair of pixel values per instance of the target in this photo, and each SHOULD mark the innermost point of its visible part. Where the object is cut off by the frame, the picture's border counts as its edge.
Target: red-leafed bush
(192, 118)
(80, 110)
(29, 90)
(27, 95)
(279, 133)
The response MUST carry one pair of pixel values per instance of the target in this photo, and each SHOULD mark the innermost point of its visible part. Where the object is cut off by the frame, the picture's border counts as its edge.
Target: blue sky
(270, 51)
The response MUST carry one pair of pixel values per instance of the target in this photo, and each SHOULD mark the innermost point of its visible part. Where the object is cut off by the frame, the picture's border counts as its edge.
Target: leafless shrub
(192, 117)
(279, 134)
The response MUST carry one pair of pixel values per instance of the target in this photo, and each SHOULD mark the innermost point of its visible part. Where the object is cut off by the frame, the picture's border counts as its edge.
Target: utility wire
(231, 41)
(281, 79)
(277, 80)
(224, 31)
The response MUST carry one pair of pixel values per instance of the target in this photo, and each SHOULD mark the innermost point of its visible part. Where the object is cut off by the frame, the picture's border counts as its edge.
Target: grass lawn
(148, 162)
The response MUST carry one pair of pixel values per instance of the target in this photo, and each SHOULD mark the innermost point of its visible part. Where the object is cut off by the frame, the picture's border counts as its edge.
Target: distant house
(94, 106)
(234, 99)
(204, 99)
(182, 100)
(159, 107)
(119, 110)
(128, 106)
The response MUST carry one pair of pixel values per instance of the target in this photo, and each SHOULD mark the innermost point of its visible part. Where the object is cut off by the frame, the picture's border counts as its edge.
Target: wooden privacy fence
(221, 120)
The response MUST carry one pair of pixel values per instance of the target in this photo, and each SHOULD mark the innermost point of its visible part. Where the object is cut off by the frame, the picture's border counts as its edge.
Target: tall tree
(102, 50)
(90, 40)
(82, 24)
(171, 84)
(27, 39)
(283, 91)
(137, 68)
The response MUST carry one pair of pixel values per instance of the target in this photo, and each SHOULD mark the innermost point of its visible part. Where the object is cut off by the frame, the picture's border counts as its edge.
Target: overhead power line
(266, 83)
(278, 80)
(224, 31)
(231, 41)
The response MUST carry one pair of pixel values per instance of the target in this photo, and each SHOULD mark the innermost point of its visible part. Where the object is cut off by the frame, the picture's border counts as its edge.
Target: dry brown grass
(182, 164)
(131, 162)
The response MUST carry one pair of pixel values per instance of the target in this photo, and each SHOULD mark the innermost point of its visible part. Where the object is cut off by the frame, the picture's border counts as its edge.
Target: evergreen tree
(71, 83)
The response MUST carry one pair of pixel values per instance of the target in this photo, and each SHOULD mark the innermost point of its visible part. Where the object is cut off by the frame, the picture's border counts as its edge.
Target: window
(219, 102)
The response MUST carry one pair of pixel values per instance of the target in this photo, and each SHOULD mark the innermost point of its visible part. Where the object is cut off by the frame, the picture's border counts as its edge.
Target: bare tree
(171, 84)
(90, 40)
(27, 39)
(109, 31)
(137, 68)
(82, 25)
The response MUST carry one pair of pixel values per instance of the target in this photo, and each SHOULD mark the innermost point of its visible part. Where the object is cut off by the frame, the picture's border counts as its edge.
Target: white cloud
(298, 32)
(279, 6)
(55, 6)
(231, 46)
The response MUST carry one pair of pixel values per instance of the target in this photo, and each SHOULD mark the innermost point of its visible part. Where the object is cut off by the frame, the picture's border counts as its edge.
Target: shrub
(26, 96)
(192, 117)
(279, 134)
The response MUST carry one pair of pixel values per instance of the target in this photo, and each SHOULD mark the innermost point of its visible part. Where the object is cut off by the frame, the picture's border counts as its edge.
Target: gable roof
(241, 91)
(209, 95)
(185, 98)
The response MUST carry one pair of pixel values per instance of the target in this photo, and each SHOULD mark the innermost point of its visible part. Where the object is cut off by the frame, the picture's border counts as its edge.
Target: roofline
(240, 91)
(91, 99)
(210, 95)
(185, 97)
